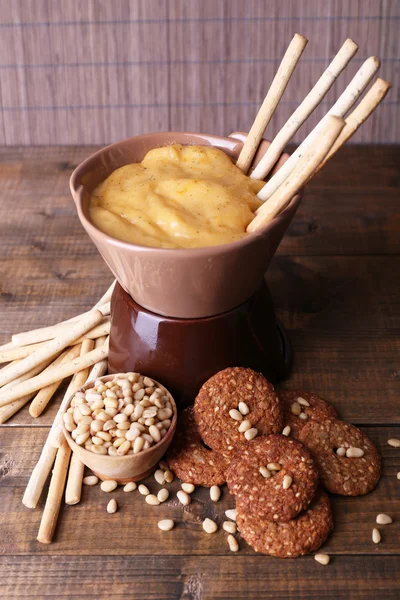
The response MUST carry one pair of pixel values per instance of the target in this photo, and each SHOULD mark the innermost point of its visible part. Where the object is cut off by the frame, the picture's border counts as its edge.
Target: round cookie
(301, 535)
(317, 409)
(189, 459)
(348, 476)
(266, 498)
(221, 394)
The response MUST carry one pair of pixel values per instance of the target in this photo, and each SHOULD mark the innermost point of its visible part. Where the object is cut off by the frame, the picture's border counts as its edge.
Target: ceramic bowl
(131, 467)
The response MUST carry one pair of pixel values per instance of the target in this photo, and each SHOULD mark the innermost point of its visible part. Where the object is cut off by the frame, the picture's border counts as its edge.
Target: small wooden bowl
(131, 467)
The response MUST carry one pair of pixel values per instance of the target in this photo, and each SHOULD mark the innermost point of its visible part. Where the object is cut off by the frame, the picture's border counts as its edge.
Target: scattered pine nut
(354, 452)
(244, 426)
(215, 493)
(341, 451)
(163, 495)
(183, 498)
(398, 475)
(108, 486)
(91, 480)
(152, 500)
(303, 416)
(295, 408)
(129, 487)
(169, 476)
(394, 443)
(303, 401)
(250, 434)
(286, 430)
(287, 482)
(233, 543)
(143, 489)
(274, 467)
(323, 559)
(166, 524)
(265, 472)
(159, 476)
(209, 526)
(229, 526)
(188, 487)
(235, 414)
(112, 506)
(243, 408)
(383, 519)
(231, 514)
(376, 536)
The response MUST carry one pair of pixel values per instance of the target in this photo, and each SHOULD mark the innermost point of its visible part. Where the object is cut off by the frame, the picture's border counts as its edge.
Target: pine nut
(138, 412)
(394, 443)
(376, 536)
(354, 452)
(96, 440)
(103, 435)
(295, 408)
(322, 559)
(169, 476)
(155, 433)
(132, 434)
(209, 526)
(302, 401)
(287, 482)
(120, 418)
(265, 472)
(341, 451)
(286, 430)
(274, 467)
(147, 382)
(235, 414)
(85, 409)
(90, 480)
(112, 451)
(383, 519)
(244, 426)
(215, 493)
(166, 524)
(139, 394)
(108, 486)
(303, 416)
(243, 408)
(143, 489)
(123, 449)
(118, 442)
(138, 445)
(93, 397)
(183, 498)
(82, 428)
(163, 495)
(398, 475)
(188, 487)
(112, 506)
(233, 543)
(152, 499)
(111, 394)
(164, 413)
(159, 476)
(231, 514)
(130, 486)
(98, 449)
(229, 526)
(150, 412)
(250, 434)
(81, 438)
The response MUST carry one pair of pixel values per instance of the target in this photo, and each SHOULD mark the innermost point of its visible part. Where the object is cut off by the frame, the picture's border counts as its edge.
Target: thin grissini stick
(339, 109)
(305, 168)
(42, 399)
(39, 475)
(275, 93)
(100, 368)
(8, 346)
(4, 369)
(54, 495)
(52, 347)
(52, 374)
(49, 333)
(73, 489)
(360, 114)
(81, 376)
(304, 110)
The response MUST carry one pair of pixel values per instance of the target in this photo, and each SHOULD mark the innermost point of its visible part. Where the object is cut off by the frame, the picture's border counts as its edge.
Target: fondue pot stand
(181, 315)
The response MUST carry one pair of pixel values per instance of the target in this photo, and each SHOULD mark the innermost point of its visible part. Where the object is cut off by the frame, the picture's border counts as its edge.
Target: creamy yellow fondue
(177, 197)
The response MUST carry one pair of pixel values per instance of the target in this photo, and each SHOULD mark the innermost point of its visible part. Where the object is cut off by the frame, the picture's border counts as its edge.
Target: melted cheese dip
(177, 197)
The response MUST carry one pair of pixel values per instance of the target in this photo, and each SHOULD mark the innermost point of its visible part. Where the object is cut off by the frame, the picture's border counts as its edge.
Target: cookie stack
(273, 451)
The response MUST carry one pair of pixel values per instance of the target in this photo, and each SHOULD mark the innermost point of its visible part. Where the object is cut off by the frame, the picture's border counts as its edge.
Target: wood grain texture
(95, 72)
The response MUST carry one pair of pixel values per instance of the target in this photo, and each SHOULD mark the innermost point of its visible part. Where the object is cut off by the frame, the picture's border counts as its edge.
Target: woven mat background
(95, 71)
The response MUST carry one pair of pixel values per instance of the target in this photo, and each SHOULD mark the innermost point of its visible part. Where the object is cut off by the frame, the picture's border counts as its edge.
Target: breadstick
(360, 114)
(74, 482)
(42, 399)
(52, 374)
(275, 93)
(50, 349)
(100, 368)
(49, 333)
(8, 346)
(103, 300)
(339, 109)
(54, 496)
(39, 475)
(305, 168)
(81, 376)
(304, 110)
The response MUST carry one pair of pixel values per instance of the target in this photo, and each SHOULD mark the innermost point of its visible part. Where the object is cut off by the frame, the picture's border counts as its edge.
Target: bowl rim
(125, 456)
(78, 191)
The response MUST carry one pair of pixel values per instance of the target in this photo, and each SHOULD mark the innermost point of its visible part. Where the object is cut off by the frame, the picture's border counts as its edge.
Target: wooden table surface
(335, 283)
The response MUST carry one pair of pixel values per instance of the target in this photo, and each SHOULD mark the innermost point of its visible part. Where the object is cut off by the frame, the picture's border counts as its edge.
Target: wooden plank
(136, 521)
(196, 578)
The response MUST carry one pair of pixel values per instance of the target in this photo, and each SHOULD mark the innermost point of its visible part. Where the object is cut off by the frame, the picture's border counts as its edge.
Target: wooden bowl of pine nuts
(121, 425)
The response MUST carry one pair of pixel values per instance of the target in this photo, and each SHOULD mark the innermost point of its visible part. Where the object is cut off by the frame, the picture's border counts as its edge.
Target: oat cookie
(301, 535)
(299, 407)
(189, 458)
(348, 462)
(218, 414)
(266, 493)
